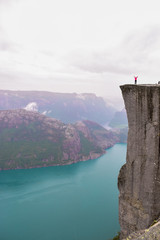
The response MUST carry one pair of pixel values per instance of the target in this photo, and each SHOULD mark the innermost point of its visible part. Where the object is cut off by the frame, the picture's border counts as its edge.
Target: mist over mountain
(119, 120)
(67, 107)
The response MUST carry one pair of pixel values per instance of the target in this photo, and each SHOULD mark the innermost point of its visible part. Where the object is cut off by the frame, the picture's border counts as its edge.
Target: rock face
(139, 178)
(30, 139)
(152, 233)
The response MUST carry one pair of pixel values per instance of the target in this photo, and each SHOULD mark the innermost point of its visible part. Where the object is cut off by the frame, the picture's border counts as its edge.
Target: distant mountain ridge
(119, 120)
(67, 107)
(29, 139)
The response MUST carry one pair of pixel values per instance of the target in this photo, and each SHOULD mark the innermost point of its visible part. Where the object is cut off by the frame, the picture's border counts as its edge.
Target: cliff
(151, 233)
(139, 178)
(30, 139)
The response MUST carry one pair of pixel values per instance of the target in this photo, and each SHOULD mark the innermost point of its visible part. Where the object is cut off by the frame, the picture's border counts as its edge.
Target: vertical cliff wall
(139, 178)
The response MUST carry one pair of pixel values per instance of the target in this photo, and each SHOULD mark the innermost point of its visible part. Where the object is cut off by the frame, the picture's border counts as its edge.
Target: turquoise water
(74, 202)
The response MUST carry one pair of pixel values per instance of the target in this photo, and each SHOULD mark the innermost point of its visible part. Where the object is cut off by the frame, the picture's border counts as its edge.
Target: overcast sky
(78, 45)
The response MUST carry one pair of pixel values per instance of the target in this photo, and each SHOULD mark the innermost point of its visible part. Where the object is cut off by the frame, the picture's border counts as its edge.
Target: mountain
(122, 133)
(30, 139)
(119, 120)
(67, 107)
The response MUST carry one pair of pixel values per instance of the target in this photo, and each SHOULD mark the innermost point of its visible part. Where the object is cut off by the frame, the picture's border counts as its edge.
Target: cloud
(143, 40)
(134, 54)
(5, 43)
(6, 2)
(32, 106)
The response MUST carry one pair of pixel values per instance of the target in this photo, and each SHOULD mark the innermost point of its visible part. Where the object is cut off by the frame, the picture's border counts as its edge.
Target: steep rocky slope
(151, 233)
(139, 178)
(67, 107)
(29, 139)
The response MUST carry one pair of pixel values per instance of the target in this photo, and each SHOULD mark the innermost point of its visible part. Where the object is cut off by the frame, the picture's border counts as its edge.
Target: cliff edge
(139, 178)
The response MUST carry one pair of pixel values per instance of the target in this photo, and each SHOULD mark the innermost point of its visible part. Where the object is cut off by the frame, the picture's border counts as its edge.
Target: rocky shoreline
(54, 165)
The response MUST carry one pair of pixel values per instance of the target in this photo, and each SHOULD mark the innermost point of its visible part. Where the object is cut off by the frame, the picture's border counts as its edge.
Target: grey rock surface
(139, 178)
(152, 233)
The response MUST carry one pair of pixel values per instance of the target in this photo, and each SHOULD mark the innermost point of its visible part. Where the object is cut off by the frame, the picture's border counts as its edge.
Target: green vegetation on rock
(117, 237)
(29, 139)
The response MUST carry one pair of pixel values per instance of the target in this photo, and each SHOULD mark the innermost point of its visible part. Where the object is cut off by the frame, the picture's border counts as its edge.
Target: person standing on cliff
(135, 78)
